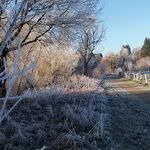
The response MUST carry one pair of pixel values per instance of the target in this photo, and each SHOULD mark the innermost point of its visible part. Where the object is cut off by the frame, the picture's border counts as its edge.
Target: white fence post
(146, 81)
(142, 77)
(137, 77)
(133, 76)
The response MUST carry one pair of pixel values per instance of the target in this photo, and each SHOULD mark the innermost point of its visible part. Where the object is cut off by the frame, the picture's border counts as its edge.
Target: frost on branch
(11, 74)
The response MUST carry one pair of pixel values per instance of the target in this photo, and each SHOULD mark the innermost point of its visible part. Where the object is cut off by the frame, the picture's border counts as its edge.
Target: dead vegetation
(68, 120)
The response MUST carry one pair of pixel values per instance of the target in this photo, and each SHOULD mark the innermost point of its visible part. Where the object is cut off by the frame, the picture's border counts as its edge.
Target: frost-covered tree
(125, 51)
(124, 56)
(111, 62)
(29, 21)
(89, 40)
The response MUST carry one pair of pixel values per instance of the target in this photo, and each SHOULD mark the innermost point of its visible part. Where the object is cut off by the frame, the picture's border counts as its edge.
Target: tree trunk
(2, 69)
(2, 83)
(85, 68)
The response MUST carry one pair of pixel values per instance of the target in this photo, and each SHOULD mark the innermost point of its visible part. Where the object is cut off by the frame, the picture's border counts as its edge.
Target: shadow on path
(130, 116)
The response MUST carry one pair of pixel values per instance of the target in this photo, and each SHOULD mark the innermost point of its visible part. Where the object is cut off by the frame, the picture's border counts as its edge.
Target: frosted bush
(99, 71)
(55, 66)
(143, 64)
(81, 84)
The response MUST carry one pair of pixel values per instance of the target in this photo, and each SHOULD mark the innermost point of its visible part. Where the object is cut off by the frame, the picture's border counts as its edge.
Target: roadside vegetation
(50, 88)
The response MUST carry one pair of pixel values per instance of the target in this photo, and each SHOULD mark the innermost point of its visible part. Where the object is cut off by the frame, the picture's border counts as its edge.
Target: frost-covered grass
(70, 116)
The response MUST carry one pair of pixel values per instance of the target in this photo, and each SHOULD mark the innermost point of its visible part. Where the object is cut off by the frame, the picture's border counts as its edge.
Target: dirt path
(130, 116)
(134, 88)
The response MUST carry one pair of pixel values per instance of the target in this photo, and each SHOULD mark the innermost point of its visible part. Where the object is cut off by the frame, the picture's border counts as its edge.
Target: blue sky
(126, 22)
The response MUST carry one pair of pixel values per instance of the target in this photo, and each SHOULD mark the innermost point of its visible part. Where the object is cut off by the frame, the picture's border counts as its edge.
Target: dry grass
(81, 84)
(68, 119)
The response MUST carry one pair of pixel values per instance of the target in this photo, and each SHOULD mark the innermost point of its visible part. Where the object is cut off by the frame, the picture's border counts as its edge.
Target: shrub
(53, 65)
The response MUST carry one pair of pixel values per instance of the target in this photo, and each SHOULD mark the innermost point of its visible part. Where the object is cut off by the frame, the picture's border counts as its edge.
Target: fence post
(133, 76)
(137, 77)
(126, 76)
(146, 81)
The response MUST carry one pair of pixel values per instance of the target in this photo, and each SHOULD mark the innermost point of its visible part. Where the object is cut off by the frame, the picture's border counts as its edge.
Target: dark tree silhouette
(145, 51)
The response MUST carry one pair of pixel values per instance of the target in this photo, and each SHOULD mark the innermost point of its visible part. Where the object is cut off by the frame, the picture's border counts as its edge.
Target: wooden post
(137, 77)
(146, 81)
(133, 76)
(126, 76)
(141, 78)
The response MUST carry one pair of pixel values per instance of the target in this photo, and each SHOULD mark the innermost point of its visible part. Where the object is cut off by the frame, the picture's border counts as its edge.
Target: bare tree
(125, 53)
(90, 39)
(38, 20)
